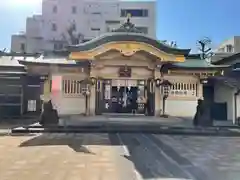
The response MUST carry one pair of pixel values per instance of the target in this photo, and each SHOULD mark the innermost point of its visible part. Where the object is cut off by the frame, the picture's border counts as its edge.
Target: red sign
(56, 83)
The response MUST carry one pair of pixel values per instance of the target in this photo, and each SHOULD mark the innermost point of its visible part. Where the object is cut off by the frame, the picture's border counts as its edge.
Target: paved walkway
(118, 157)
(125, 119)
(62, 157)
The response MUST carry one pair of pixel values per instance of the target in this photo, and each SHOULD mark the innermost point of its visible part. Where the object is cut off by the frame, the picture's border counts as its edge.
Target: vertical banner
(56, 83)
(56, 89)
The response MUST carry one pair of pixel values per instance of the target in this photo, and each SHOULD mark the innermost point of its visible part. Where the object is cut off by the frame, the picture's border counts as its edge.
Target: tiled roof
(196, 63)
(220, 56)
(10, 61)
(228, 81)
(123, 36)
(227, 59)
(48, 60)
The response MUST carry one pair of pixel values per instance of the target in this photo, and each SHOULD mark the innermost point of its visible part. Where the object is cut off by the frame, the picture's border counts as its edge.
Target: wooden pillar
(151, 97)
(200, 90)
(157, 102)
(92, 99)
(98, 99)
(46, 96)
(158, 98)
(23, 101)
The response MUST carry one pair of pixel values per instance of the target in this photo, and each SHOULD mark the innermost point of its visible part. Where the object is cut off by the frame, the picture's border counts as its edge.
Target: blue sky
(183, 21)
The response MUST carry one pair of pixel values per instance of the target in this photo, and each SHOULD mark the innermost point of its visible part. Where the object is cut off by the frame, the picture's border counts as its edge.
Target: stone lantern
(166, 85)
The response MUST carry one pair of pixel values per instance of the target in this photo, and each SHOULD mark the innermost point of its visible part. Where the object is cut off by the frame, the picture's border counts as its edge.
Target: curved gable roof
(123, 36)
(127, 32)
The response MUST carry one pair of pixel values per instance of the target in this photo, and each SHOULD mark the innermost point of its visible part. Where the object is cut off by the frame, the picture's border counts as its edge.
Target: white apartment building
(88, 18)
(231, 45)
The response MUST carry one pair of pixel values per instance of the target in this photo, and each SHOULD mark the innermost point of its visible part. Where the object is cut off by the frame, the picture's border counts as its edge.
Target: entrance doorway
(124, 96)
(124, 99)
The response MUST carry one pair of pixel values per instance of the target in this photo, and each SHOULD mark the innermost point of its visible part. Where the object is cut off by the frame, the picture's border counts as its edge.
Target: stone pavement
(118, 156)
(62, 157)
(217, 157)
(125, 119)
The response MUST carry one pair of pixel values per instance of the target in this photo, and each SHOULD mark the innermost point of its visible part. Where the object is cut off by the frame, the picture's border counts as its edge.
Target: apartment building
(231, 45)
(87, 19)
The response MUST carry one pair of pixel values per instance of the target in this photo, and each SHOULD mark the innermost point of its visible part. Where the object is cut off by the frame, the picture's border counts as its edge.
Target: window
(55, 9)
(236, 66)
(143, 29)
(55, 46)
(112, 22)
(73, 86)
(74, 9)
(22, 47)
(134, 12)
(58, 46)
(221, 49)
(96, 13)
(86, 40)
(54, 27)
(184, 89)
(74, 27)
(32, 106)
(108, 29)
(77, 41)
(229, 48)
(95, 29)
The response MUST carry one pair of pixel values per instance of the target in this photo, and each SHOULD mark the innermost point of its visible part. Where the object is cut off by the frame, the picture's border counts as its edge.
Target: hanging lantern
(166, 87)
(93, 80)
(158, 82)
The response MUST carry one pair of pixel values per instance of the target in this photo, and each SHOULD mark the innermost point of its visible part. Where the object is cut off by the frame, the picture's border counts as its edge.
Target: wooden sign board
(125, 71)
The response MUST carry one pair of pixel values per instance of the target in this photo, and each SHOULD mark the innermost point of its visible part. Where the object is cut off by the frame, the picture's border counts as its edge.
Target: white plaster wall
(238, 106)
(181, 108)
(69, 105)
(224, 93)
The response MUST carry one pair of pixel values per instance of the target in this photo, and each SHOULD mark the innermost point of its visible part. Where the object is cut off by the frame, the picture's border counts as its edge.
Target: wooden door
(32, 92)
(107, 94)
(219, 111)
(11, 93)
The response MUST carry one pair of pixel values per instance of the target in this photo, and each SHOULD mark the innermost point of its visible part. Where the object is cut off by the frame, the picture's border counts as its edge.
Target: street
(71, 156)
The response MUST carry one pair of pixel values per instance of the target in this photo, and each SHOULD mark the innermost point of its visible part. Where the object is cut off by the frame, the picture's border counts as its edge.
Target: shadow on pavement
(149, 158)
(50, 140)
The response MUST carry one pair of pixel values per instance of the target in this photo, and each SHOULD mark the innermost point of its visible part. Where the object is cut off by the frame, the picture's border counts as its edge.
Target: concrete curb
(130, 129)
(4, 132)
